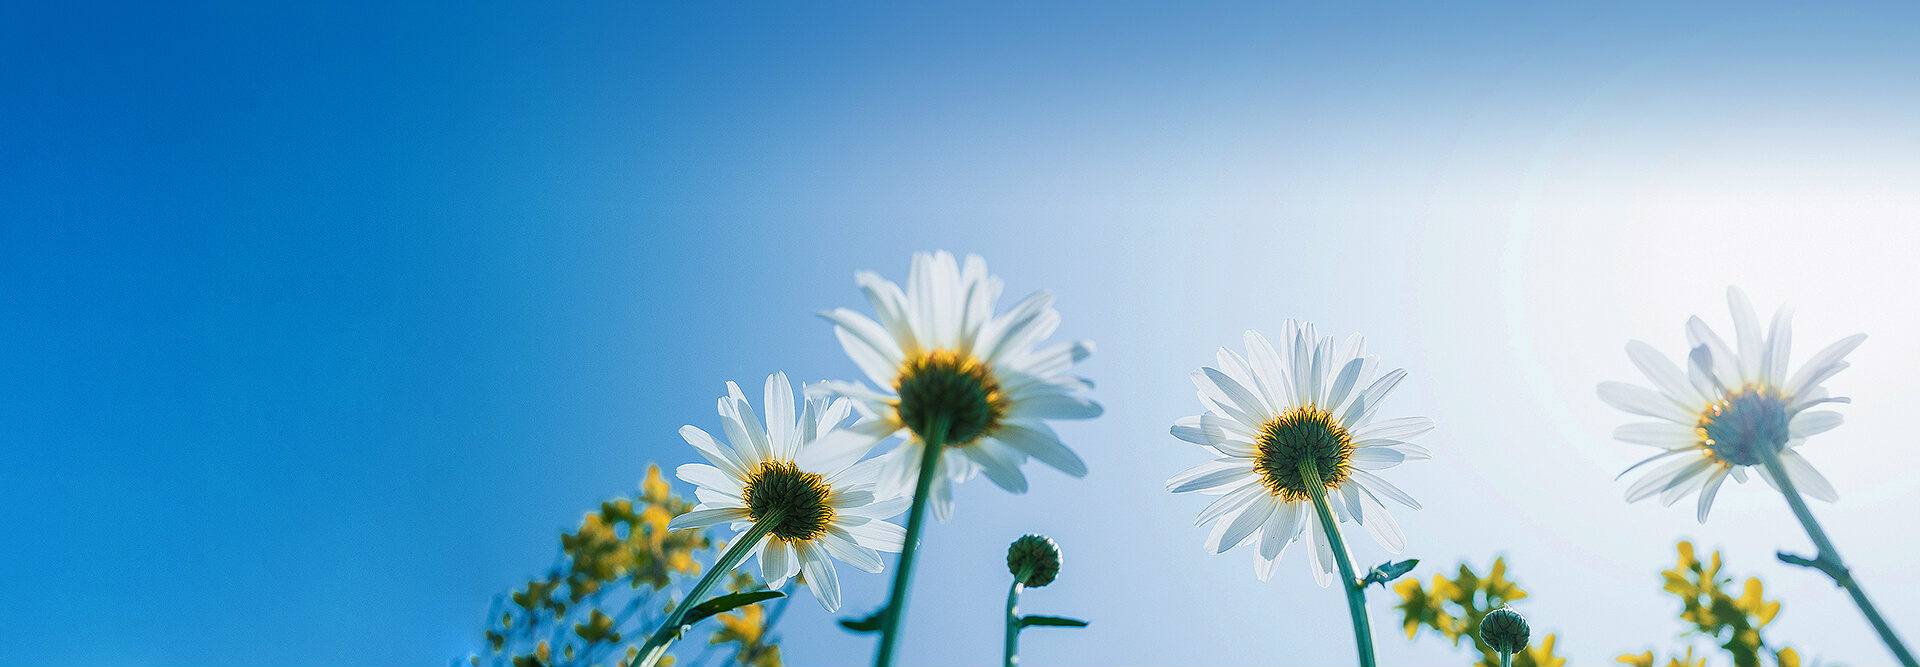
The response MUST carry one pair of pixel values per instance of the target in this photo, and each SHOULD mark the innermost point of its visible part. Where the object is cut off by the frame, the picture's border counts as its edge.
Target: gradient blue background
(318, 323)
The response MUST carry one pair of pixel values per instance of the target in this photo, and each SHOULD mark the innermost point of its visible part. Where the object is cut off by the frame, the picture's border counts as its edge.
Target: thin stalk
(1506, 659)
(656, 645)
(1013, 618)
(1827, 559)
(916, 519)
(1356, 596)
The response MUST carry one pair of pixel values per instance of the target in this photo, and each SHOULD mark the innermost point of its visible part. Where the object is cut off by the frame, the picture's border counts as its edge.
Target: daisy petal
(1643, 401)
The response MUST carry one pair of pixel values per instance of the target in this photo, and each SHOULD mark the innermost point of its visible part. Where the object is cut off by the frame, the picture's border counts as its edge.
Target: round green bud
(1037, 557)
(1504, 630)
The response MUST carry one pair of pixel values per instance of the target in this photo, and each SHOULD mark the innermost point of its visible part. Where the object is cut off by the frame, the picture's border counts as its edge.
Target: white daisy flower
(1275, 413)
(943, 359)
(822, 502)
(1722, 415)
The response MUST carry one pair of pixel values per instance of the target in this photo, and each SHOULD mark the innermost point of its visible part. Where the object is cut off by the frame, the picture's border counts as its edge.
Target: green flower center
(1737, 427)
(1302, 434)
(799, 499)
(943, 387)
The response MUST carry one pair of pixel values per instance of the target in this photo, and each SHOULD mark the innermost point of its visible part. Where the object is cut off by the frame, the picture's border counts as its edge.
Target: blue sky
(317, 323)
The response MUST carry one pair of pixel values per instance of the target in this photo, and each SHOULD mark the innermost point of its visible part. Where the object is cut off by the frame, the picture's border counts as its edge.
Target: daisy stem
(1506, 659)
(656, 646)
(1827, 559)
(916, 519)
(1013, 618)
(1356, 596)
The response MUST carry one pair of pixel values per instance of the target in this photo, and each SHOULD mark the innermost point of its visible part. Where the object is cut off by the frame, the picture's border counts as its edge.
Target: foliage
(1454, 608)
(1734, 622)
(611, 586)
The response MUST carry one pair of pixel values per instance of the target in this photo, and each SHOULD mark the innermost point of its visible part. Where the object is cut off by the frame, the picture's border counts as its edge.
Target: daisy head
(1286, 425)
(947, 368)
(817, 501)
(1729, 410)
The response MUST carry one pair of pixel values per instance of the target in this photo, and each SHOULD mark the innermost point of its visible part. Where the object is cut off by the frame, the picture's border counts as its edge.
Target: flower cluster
(593, 606)
(1458, 607)
(1296, 444)
(1735, 622)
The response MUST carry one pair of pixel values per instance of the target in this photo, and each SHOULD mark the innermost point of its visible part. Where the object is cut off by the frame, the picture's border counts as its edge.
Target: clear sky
(319, 322)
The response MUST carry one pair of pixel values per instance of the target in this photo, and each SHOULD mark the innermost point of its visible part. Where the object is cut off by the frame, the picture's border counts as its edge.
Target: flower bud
(1036, 557)
(1504, 630)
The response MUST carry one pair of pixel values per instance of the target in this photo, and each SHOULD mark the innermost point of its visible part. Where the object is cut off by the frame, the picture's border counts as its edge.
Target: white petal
(1212, 474)
(1805, 478)
(1242, 526)
(841, 545)
(869, 345)
(721, 456)
(1401, 428)
(942, 500)
(1023, 325)
(1057, 358)
(1746, 330)
(1269, 369)
(1279, 530)
(1348, 496)
(878, 535)
(820, 575)
(777, 562)
(707, 476)
(890, 305)
(1688, 481)
(1665, 376)
(1236, 367)
(1726, 366)
(1707, 493)
(999, 463)
(1370, 400)
(1226, 430)
(1380, 486)
(1773, 366)
(1667, 435)
(781, 423)
(1054, 407)
(1381, 525)
(1821, 363)
(1321, 563)
(707, 517)
(840, 448)
(1376, 458)
(1229, 395)
(1643, 401)
(1665, 476)
(1343, 384)
(1038, 440)
(1805, 424)
(1246, 492)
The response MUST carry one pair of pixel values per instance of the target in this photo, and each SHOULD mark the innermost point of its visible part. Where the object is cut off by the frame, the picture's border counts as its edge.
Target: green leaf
(1388, 571)
(1055, 621)
(869, 624)
(726, 603)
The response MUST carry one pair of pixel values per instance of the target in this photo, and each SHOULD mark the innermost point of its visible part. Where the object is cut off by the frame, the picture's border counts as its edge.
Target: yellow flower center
(943, 388)
(799, 499)
(1739, 425)
(1303, 434)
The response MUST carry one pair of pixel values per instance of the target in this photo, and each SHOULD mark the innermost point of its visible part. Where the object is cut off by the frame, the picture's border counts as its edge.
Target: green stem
(916, 519)
(1506, 659)
(1827, 559)
(656, 646)
(1356, 596)
(1013, 617)
(1012, 654)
